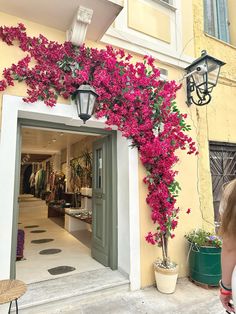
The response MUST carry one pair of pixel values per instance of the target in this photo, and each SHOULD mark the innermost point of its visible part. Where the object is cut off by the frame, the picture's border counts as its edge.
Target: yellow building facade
(171, 31)
(216, 123)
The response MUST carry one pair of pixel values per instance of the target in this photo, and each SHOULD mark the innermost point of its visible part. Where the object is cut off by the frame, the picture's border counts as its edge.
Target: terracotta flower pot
(166, 278)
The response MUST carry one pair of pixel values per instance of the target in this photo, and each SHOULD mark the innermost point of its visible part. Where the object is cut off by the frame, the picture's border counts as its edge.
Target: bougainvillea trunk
(164, 247)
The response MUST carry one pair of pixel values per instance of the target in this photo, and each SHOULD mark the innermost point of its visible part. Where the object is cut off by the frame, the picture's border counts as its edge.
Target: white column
(7, 177)
(128, 212)
(123, 204)
(134, 221)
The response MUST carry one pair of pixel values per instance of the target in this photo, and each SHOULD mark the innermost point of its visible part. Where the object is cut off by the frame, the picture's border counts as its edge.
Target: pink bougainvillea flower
(131, 97)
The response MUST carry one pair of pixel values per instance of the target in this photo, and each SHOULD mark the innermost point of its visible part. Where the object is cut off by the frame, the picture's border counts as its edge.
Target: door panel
(100, 219)
(16, 204)
(100, 243)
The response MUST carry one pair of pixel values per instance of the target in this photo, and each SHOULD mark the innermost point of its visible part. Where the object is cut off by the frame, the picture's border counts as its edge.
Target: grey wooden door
(100, 215)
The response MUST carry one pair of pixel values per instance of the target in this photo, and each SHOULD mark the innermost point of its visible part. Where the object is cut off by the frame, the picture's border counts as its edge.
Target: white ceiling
(59, 13)
(40, 141)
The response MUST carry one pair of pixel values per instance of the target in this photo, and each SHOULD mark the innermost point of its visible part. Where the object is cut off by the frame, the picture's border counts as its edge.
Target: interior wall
(75, 150)
(79, 147)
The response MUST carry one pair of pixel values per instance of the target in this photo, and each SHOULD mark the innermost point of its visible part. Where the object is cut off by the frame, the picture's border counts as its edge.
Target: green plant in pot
(204, 256)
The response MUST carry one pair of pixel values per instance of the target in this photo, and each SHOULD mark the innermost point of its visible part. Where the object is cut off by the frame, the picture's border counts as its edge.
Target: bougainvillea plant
(131, 96)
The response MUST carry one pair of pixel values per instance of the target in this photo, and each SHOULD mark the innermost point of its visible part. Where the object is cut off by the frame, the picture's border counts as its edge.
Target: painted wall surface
(186, 28)
(231, 17)
(158, 25)
(11, 54)
(216, 121)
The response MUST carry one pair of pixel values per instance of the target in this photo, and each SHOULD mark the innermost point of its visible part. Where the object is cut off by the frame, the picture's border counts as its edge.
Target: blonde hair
(228, 219)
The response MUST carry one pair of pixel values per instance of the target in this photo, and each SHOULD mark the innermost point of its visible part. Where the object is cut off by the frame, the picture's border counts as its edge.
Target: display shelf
(73, 223)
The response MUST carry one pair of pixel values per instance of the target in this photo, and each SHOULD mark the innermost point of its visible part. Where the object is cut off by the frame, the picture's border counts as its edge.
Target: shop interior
(55, 205)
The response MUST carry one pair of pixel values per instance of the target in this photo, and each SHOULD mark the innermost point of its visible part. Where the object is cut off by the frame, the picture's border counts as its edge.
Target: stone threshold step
(81, 285)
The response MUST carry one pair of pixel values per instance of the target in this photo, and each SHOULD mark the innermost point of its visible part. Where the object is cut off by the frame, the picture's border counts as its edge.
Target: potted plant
(204, 256)
(166, 272)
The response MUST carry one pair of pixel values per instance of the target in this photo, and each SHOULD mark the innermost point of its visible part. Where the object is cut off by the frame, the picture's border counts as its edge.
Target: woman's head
(228, 219)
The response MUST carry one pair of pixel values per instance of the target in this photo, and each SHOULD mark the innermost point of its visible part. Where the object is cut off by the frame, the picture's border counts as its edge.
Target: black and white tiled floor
(50, 251)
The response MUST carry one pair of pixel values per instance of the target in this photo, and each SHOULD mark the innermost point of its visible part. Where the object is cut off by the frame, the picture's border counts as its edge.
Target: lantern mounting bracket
(203, 97)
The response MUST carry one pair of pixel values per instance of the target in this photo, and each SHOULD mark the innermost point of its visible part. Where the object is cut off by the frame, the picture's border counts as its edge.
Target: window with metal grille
(223, 169)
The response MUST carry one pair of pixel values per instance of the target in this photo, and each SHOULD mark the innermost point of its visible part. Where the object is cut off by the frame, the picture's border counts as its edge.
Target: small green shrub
(200, 237)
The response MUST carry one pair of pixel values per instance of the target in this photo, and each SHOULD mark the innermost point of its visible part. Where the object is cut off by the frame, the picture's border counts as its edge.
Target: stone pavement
(188, 298)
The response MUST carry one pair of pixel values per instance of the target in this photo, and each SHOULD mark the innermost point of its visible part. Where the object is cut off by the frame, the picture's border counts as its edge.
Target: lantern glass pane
(213, 72)
(83, 102)
(91, 103)
(200, 75)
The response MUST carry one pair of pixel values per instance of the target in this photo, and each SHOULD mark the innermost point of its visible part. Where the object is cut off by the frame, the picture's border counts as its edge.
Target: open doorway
(64, 215)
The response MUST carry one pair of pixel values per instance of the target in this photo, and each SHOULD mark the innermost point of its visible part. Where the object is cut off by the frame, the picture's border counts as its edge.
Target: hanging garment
(32, 180)
(40, 182)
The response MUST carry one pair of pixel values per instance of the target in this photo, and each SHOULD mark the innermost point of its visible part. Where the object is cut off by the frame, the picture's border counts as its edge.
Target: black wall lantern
(202, 76)
(85, 97)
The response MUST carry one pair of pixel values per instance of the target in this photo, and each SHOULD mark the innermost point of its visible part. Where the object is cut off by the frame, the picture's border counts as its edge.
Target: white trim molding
(14, 108)
(120, 35)
(168, 5)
